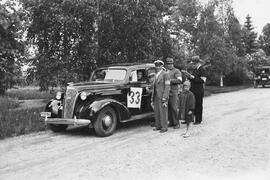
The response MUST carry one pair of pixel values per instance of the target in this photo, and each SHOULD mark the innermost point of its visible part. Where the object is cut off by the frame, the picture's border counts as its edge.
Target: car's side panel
(94, 108)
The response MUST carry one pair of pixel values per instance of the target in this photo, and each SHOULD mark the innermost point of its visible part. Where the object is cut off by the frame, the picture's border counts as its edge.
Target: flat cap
(159, 62)
(186, 83)
(169, 61)
(196, 59)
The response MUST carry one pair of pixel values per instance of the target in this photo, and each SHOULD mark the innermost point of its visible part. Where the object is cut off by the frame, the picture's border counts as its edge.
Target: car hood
(93, 85)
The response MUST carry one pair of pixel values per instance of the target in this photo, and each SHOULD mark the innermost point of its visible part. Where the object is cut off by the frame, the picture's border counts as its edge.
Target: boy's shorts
(189, 118)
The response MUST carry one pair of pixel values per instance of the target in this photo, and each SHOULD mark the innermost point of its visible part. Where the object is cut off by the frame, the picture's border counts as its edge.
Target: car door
(140, 90)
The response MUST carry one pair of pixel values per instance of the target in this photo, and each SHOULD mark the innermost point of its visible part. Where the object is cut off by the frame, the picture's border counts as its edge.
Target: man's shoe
(156, 129)
(176, 126)
(196, 123)
(186, 135)
(152, 124)
(163, 130)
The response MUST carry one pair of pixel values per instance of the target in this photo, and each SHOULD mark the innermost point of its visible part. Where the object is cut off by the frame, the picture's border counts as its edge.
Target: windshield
(109, 75)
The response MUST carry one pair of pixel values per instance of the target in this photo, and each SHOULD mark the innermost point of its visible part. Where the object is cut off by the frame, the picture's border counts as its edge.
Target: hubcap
(107, 120)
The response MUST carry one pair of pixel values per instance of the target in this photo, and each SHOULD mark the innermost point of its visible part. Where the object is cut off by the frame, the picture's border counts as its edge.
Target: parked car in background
(115, 94)
(261, 76)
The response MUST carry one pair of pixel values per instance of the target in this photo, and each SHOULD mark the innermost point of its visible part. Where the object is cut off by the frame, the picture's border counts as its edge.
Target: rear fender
(121, 110)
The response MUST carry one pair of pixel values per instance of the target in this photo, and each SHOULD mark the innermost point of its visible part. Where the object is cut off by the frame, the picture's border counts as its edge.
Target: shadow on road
(128, 126)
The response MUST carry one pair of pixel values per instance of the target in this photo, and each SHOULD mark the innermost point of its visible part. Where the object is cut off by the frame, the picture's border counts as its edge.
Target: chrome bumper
(74, 122)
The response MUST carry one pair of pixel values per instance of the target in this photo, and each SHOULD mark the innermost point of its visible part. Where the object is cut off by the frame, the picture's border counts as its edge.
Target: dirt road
(232, 143)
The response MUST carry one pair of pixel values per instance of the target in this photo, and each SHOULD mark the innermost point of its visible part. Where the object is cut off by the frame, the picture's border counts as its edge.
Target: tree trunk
(221, 80)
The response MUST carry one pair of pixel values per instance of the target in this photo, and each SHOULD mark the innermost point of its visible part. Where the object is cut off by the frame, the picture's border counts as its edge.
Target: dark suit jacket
(197, 84)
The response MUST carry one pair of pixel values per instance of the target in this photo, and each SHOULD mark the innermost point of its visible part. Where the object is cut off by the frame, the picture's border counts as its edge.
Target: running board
(140, 116)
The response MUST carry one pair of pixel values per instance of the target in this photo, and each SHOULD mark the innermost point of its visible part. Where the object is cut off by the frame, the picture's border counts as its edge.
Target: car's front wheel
(106, 122)
(58, 127)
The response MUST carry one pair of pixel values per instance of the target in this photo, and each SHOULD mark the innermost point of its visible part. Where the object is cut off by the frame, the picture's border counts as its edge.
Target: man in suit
(197, 79)
(160, 97)
(175, 80)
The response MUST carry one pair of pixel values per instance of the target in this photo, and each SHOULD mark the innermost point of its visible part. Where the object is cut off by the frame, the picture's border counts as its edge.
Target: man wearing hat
(197, 79)
(160, 96)
(175, 80)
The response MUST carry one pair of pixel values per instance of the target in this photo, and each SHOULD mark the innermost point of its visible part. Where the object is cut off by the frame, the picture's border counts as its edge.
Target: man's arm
(177, 78)
(167, 87)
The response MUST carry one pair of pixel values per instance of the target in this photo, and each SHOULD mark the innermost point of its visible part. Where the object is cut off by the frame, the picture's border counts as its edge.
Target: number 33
(135, 95)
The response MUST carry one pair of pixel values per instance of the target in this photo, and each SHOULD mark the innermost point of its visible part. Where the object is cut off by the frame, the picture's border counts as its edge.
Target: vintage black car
(114, 94)
(261, 76)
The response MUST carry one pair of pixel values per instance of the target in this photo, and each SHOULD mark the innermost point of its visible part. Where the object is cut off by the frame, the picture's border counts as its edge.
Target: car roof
(263, 67)
(129, 65)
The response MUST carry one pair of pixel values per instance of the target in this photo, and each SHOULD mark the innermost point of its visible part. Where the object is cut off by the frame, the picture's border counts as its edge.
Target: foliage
(212, 44)
(17, 122)
(249, 36)
(265, 39)
(63, 32)
(257, 58)
(11, 48)
(27, 93)
(71, 38)
(8, 103)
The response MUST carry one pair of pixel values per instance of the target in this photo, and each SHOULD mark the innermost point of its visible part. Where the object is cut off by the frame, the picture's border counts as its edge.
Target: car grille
(69, 102)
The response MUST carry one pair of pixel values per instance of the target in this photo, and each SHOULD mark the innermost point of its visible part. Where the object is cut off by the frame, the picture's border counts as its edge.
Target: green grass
(18, 122)
(14, 121)
(216, 89)
(30, 93)
(8, 103)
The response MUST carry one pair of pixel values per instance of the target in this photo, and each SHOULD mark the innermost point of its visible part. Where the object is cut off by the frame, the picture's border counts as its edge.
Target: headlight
(58, 95)
(83, 96)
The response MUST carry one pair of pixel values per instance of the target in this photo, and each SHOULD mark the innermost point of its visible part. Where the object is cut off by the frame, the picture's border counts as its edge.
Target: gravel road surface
(233, 142)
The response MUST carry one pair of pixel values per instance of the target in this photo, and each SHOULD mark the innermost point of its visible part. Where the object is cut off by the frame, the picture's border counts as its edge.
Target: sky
(257, 9)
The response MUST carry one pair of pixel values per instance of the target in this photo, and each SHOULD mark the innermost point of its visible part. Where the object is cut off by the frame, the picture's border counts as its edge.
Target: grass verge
(18, 122)
(29, 93)
(217, 89)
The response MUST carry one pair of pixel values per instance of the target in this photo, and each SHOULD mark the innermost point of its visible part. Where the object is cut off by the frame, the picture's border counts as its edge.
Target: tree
(212, 44)
(265, 39)
(132, 31)
(249, 36)
(11, 48)
(64, 33)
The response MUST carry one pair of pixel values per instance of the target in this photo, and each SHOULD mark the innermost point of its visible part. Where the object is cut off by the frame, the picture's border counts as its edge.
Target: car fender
(121, 110)
(53, 107)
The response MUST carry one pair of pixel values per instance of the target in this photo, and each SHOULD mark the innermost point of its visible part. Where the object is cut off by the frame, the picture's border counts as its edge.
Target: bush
(8, 103)
(30, 93)
(17, 122)
(237, 77)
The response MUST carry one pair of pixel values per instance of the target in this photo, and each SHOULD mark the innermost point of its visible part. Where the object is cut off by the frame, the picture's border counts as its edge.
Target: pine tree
(249, 36)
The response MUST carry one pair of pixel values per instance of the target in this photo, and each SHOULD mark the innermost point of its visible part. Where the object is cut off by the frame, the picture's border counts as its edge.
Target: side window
(133, 76)
(139, 75)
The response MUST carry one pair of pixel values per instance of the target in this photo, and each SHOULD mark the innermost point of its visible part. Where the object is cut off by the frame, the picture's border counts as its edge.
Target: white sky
(257, 9)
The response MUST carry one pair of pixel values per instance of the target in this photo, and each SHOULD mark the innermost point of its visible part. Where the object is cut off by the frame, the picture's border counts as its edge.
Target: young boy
(186, 106)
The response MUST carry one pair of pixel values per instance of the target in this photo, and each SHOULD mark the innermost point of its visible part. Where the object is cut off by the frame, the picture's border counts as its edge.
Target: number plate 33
(134, 97)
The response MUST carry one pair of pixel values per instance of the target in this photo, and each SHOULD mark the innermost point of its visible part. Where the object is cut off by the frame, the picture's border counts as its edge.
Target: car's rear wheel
(106, 122)
(58, 127)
